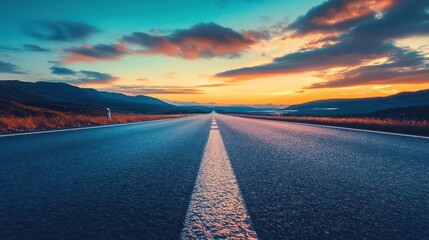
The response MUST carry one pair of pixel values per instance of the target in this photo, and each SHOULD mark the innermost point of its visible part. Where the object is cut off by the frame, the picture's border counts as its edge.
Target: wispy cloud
(92, 53)
(62, 71)
(163, 89)
(214, 85)
(142, 89)
(13, 49)
(59, 30)
(35, 48)
(25, 48)
(338, 15)
(6, 67)
(82, 77)
(356, 47)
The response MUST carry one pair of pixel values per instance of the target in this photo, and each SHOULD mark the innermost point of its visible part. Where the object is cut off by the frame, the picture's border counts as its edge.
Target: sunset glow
(222, 52)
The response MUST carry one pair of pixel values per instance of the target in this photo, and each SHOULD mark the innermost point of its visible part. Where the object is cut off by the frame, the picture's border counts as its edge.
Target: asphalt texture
(123, 182)
(310, 182)
(136, 181)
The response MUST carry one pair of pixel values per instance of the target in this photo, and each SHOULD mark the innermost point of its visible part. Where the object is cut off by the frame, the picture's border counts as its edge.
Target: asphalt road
(136, 181)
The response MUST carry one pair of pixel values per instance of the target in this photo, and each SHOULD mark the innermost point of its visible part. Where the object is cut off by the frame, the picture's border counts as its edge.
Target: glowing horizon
(223, 52)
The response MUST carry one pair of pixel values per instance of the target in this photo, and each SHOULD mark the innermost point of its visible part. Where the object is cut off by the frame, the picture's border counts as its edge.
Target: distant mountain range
(401, 102)
(19, 98)
(46, 98)
(232, 109)
(26, 97)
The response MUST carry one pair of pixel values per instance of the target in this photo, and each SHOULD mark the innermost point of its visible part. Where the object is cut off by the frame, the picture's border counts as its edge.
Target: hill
(25, 97)
(361, 106)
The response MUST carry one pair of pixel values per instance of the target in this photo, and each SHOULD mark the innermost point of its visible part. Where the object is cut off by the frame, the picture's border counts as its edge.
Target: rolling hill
(362, 106)
(25, 97)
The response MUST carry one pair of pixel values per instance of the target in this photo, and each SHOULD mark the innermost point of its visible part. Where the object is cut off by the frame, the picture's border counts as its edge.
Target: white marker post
(109, 116)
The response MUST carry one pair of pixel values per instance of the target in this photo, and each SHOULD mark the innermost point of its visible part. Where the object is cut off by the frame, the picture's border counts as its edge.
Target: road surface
(214, 177)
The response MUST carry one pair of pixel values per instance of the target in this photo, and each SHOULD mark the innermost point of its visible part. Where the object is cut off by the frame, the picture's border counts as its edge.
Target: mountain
(66, 98)
(360, 106)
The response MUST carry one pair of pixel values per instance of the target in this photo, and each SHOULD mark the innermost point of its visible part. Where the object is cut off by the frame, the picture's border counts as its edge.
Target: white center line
(217, 209)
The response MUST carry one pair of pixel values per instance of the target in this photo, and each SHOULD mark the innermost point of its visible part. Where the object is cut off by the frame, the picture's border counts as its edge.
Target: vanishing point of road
(214, 177)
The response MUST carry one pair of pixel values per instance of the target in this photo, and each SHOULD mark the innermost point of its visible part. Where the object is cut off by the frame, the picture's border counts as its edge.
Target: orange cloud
(335, 16)
(204, 40)
(351, 10)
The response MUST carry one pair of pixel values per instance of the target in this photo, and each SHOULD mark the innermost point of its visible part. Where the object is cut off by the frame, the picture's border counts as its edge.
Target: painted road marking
(217, 209)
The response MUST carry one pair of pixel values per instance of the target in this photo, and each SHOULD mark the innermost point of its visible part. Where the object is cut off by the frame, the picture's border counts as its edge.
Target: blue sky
(97, 47)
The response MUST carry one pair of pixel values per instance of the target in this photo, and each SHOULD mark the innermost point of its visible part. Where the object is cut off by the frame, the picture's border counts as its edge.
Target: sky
(252, 52)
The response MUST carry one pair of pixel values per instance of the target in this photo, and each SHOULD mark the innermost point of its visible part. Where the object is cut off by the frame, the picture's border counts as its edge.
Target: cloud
(153, 89)
(6, 67)
(83, 77)
(26, 47)
(62, 71)
(204, 40)
(347, 53)
(356, 48)
(96, 77)
(35, 48)
(54, 62)
(403, 67)
(338, 15)
(142, 89)
(213, 85)
(59, 30)
(92, 53)
(13, 49)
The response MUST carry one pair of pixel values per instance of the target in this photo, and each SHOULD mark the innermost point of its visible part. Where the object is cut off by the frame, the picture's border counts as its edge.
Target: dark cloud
(6, 67)
(35, 48)
(54, 62)
(13, 49)
(369, 40)
(204, 40)
(83, 77)
(96, 77)
(59, 30)
(91, 53)
(403, 67)
(62, 71)
(26, 47)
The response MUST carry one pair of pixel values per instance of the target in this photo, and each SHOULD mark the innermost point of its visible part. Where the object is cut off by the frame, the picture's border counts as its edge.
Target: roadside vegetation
(37, 123)
(417, 127)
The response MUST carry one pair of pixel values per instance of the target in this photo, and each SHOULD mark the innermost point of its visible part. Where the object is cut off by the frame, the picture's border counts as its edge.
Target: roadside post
(109, 116)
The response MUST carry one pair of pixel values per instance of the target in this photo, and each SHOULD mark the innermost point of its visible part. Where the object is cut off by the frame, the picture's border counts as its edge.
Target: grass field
(417, 127)
(37, 123)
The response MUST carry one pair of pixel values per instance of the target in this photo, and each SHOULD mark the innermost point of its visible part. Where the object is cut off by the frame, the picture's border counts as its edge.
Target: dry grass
(419, 127)
(20, 124)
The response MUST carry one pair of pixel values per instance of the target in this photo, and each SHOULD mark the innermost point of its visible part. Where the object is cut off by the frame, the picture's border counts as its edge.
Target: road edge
(84, 128)
(338, 127)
